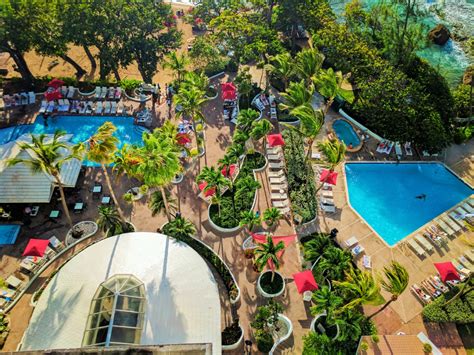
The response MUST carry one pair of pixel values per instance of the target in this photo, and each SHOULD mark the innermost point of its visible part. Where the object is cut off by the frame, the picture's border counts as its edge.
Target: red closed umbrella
(305, 281)
(56, 83)
(229, 91)
(36, 247)
(53, 95)
(447, 271)
(209, 192)
(275, 140)
(183, 138)
(328, 177)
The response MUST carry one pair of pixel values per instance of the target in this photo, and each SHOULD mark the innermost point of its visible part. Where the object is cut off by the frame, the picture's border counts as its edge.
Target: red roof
(231, 169)
(229, 91)
(209, 192)
(56, 83)
(53, 95)
(183, 138)
(275, 140)
(328, 176)
(305, 281)
(36, 247)
(447, 271)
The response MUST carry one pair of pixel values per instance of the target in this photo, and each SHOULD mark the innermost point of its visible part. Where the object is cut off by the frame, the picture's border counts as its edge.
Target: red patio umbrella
(209, 192)
(53, 95)
(305, 281)
(328, 176)
(231, 169)
(56, 83)
(447, 271)
(229, 91)
(36, 247)
(183, 138)
(275, 140)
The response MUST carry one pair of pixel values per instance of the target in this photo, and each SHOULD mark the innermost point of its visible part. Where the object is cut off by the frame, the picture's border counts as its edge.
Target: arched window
(116, 312)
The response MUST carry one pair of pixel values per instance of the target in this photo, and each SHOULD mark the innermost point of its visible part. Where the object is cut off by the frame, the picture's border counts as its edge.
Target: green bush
(459, 311)
(264, 341)
(130, 84)
(301, 185)
(462, 100)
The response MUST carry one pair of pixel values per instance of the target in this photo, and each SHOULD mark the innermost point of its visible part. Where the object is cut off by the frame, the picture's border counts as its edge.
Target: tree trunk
(21, 65)
(146, 78)
(63, 199)
(310, 149)
(112, 193)
(79, 70)
(91, 57)
(165, 201)
(116, 74)
(381, 309)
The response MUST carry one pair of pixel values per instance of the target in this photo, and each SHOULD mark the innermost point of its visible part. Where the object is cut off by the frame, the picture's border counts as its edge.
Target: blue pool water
(9, 233)
(82, 127)
(385, 195)
(346, 133)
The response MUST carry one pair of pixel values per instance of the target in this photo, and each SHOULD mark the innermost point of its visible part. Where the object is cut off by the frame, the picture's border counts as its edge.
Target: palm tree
(325, 301)
(48, 156)
(360, 287)
(349, 323)
(395, 283)
(226, 162)
(335, 262)
(297, 94)
(271, 216)
(311, 122)
(199, 81)
(159, 164)
(177, 63)
(260, 129)
(235, 150)
(250, 220)
(329, 84)
(109, 220)
(308, 63)
(268, 252)
(247, 186)
(180, 228)
(246, 118)
(334, 151)
(101, 149)
(282, 67)
(240, 137)
(157, 204)
(214, 180)
(124, 162)
(314, 248)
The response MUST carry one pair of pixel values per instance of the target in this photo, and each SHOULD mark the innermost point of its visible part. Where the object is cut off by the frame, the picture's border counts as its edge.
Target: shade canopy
(231, 168)
(328, 177)
(183, 138)
(36, 247)
(56, 83)
(262, 239)
(229, 91)
(275, 140)
(209, 192)
(53, 95)
(447, 271)
(305, 281)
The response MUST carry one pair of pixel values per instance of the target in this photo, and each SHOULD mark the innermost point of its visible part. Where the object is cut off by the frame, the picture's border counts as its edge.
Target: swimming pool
(346, 133)
(385, 195)
(82, 127)
(9, 233)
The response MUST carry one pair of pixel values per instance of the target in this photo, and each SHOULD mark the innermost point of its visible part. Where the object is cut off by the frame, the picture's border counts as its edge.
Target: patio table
(13, 281)
(54, 214)
(106, 200)
(97, 189)
(78, 207)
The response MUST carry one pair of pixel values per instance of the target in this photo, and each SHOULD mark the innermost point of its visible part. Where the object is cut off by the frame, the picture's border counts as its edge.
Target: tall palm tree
(235, 150)
(159, 164)
(314, 248)
(249, 219)
(282, 67)
(177, 63)
(180, 227)
(296, 95)
(101, 149)
(226, 162)
(214, 180)
(246, 118)
(240, 137)
(157, 204)
(329, 84)
(325, 301)
(349, 323)
(199, 81)
(260, 129)
(311, 122)
(395, 282)
(308, 63)
(109, 221)
(360, 287)
(247, 185)
(124, 162)
(268, 252)
(334, 151)
(335, 262)
(48, 156)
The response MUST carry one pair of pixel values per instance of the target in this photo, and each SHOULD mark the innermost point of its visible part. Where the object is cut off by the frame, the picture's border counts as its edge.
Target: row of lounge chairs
(277, 178)
(386, 146)
(111, 93)
(21, 99)
(83, 107)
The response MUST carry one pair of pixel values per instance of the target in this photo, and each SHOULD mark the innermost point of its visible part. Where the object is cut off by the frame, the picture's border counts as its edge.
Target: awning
(230, 168)
(209, 192)
(183, 138)
(56, 83)
(447, 271)
(305, 281)
(36, 247)
(329, 177)
(262, 239)
(229, 91)
(275, 140)
(53, 95)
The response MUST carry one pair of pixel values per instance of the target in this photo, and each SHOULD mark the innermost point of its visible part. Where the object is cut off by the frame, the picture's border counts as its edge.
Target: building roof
(182, 301)
(18, 184)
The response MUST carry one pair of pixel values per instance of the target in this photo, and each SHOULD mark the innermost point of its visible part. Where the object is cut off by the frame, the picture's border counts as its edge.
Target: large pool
(82, 127)
(385, 195)
(346, 133)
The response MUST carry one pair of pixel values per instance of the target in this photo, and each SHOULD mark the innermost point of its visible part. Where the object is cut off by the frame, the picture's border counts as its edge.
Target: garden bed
(232, 336)
(272, 288)
(85, 228)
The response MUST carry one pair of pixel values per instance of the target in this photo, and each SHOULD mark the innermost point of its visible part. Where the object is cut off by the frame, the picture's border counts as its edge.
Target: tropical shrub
(459, 311)
(271, 216)
(462, 101)
(129, 85)
(266, 319)
(301, 185)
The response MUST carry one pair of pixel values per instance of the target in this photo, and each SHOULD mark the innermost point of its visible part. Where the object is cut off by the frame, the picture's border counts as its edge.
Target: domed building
(128, 290)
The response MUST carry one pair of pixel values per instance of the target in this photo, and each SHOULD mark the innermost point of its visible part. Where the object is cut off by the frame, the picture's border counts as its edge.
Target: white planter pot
(284, 337)
(236, 344)
(178, 179)
(270, 295)
(314, 321)
(263, 167)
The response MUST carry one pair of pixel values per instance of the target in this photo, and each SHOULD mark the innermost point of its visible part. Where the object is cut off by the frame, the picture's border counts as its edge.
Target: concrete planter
(236, 345)
(93, 230)
(178, 179)
(315, 321)
(270, 295)
(212, 97)
(263, 167)
(280, 339)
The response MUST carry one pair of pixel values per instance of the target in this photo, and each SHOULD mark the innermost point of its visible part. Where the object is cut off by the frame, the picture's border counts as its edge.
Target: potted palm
(110, 223)
(179, 228)
(325, 303)
(250, 220)
(270, 283)
(271, 216)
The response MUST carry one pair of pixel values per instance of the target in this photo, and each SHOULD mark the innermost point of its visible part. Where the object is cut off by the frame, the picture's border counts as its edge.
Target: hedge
(460, 311)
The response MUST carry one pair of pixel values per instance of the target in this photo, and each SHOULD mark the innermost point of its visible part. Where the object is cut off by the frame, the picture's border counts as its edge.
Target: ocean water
(384, 195)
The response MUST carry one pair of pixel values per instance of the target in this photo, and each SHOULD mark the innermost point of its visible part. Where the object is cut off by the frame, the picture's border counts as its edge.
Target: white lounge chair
(103, 92)
(120, 109)
(466, 263)
(275, 174)
(70, 92)
(408, 150)
(458, 217)
(98, 108)
(274, 196)
(113, 107)
(424, 243)
(31, 97)
(278, 180)
(327, 201)
(278, 165)
(280, 204)
(284, 210)
(388, 148)
(97, 92)
(454, 226)
(367, 262)
(447, 229)
(420, 294)
(357, 250)
(118, 93)
(44, 106)
(64, 90)
(467, 207)
(328, 208)
(327, 193)
(398, 150)
(274, 157)
(107, 107)
(51, 107)
(419, 251)
(381, 147)
(111, 93)
(278, 187)
(351, 241)
(469, 253)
